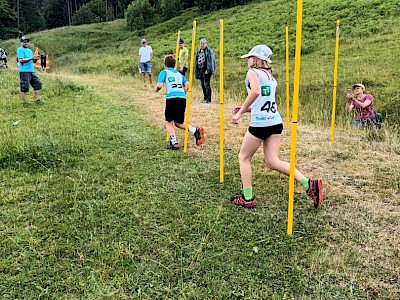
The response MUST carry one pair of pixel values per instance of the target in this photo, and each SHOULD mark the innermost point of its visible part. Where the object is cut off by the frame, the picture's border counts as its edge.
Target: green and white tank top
(264, 110)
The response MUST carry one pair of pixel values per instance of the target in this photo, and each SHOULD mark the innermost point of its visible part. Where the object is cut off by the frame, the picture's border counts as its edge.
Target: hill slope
(94, 207)
(370, 31)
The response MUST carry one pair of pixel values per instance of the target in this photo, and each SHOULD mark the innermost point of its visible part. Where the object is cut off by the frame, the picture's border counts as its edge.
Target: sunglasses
(26, 41)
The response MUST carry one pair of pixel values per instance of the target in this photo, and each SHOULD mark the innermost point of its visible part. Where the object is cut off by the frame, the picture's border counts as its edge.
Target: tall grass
(94, 207)
(368, 48)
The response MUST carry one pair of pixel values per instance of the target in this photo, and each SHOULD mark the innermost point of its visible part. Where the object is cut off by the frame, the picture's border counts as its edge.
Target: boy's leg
(169, 126)
(198, 133)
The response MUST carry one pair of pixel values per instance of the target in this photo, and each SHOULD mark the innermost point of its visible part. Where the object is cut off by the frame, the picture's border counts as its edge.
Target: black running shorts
(175, 110)
(263, 133)
(29, 78)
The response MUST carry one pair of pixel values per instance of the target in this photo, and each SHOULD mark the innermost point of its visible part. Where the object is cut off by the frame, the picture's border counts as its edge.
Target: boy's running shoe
(240, 201)
(315, 191)
(199, 135)
(39, 101)
(173, 146)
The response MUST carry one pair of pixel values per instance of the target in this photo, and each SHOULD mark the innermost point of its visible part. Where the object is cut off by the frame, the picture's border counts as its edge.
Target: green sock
(248, 193)
(304, 183)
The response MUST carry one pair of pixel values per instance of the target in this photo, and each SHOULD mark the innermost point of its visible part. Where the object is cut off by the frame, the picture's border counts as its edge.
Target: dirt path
(353, 166)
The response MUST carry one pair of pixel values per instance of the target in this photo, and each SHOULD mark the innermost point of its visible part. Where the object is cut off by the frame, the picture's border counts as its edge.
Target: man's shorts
(263, 133)
(29, 78)
(175, 110)
(145, 67)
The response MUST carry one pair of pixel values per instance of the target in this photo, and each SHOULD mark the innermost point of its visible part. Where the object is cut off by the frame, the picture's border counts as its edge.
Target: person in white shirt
(145, 57)
(265, 129)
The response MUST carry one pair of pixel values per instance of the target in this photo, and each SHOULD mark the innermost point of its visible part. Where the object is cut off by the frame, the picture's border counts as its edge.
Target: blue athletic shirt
(23, 53)
(174, 83)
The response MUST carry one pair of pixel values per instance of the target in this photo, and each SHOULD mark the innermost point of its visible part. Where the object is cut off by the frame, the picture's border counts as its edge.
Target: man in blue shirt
(175, 106)
(26, 67)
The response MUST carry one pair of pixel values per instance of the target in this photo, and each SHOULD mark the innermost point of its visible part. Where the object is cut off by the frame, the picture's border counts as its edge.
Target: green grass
(369, 33)
(94, 207)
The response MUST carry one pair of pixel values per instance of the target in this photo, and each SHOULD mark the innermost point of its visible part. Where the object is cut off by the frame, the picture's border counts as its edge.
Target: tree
(55, 13)
(31, 19)
(140, 14)
(8, 20)
(84, 16)
(94, 11)
(169, 9)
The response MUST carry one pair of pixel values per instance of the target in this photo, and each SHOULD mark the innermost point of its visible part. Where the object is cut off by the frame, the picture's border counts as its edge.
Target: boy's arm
(160, 80)
(159, 87)
(186, 86)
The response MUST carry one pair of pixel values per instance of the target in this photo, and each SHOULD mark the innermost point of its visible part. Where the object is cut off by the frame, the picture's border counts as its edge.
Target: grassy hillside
(92, 206)
(370, 31)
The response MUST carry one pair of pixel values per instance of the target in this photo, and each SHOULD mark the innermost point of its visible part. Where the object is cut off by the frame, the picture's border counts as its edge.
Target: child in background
(265, 129)
(175, 105)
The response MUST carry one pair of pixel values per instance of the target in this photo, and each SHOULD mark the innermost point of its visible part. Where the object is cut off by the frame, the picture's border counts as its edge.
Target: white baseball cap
(262, 52)
(359, 85)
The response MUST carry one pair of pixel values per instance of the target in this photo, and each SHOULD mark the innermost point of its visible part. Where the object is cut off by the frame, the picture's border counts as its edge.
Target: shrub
(140, 14)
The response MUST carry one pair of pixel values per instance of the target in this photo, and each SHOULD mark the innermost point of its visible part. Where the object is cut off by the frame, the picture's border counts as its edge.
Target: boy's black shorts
(175, 110)
(29, 78)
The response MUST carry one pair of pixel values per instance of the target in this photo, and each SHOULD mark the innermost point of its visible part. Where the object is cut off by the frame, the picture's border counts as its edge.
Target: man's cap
(144, 41)
(23, 39)
(360, 85)
(203, 40)
(181, 41)
(262, 52)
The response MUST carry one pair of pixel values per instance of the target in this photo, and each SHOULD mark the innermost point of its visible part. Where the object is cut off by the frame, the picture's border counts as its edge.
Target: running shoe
(199, 135)
(240, 201)
(173, 146)
(315, 191)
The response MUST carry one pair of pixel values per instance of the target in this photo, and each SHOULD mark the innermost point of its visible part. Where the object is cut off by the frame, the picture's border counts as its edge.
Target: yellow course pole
(294, 114)
(335, 75)
(287, 79)
(177, 50)
(221, 101)
(176, 65)
(189, 93)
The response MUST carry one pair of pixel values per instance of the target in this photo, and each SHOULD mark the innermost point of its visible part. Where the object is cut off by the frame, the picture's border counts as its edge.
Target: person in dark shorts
(175, 105)
(265, 128)
(43, 62)
(27, 75)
